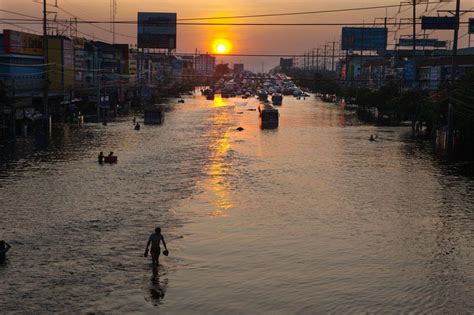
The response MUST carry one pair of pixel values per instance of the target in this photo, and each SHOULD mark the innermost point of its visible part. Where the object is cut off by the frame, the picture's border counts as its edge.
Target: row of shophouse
(427, 71)
(91, 77)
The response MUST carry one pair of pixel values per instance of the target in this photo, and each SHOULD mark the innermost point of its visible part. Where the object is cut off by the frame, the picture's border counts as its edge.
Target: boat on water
(277, 99)
(110, 159)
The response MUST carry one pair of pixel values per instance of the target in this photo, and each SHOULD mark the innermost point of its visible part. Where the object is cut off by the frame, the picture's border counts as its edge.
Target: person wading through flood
(100, 158)
(4, 247)
(155, 240)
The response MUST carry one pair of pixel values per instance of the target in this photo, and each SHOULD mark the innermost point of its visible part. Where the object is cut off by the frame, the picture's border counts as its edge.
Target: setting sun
(221, 46)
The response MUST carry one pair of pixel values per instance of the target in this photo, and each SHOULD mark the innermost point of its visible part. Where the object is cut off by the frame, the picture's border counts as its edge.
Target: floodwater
(307, 218)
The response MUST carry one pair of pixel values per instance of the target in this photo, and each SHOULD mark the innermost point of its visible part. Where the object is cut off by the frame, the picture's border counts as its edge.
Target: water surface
(307, 218)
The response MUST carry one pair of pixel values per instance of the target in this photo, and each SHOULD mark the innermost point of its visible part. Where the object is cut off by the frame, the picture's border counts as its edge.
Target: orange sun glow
(221, 46)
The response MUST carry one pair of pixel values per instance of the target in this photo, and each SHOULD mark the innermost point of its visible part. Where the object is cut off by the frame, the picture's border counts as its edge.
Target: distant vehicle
(262, 95)
(210, 96)
(225, 94)
(154, 115)
(277, 99)
(206, 92)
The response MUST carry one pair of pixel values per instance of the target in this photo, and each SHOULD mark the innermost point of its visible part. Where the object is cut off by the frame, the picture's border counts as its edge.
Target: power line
(21, 27)
(93, 22)
(20, 14)
(96, 26)
(273, 14)
(39, 20)
(294, 13)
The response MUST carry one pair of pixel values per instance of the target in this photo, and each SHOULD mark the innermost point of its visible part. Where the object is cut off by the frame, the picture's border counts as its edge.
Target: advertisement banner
(68, 63)
(55, 75)
(439, 22)
(435, 77)
(364, 38)
(408, 42)
(79, 59)
(157, 30)
(409, 72)
(22, 43)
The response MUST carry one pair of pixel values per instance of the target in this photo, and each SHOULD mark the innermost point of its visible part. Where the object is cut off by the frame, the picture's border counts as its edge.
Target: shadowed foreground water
(308, 218)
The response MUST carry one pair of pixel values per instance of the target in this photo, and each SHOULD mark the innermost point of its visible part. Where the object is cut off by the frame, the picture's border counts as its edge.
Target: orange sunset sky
(243, 39)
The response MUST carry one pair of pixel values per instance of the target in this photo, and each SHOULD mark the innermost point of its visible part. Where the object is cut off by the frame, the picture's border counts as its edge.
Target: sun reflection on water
(219, 167)
(219, 101)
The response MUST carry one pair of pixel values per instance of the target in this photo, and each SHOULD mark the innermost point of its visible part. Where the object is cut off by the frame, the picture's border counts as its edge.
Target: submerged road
(307, 218)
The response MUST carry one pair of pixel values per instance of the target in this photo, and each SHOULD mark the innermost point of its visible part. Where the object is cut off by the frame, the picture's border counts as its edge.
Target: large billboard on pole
(157, 30)
(408, 42)
(439, 22)
(471, 26)
(364, 38)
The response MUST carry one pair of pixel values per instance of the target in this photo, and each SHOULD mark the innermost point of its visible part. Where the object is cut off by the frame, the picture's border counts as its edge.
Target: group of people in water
(136, 123)
(101, 158)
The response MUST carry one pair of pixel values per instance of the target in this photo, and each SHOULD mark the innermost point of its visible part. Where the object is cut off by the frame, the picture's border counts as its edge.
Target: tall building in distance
(205, 64)
(286, 63)
(238, 68)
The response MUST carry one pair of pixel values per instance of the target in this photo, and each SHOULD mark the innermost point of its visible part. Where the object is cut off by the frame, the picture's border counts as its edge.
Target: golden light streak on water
(218, 169)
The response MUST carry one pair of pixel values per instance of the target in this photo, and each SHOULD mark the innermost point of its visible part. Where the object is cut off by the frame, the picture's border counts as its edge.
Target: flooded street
(307, 218)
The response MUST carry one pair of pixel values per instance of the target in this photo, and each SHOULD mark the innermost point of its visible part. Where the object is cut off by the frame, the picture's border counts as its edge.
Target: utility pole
(325, 54)
(46, 69)
(312, 60)
(317, 59)
(333, 55)
(98, 98)
(114, 11)
(414, 42)
(453, 78)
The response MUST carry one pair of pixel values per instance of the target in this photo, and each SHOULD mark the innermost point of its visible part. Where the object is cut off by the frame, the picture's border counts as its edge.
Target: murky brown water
(308, 218)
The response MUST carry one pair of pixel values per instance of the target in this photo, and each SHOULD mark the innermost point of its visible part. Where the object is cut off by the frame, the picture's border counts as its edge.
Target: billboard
(409, 72)
(157, 30)
(408, 42)
(439, 22)
(363, 38)
(79, 59)
(68, 63)
(55, 67)
(61, 59)
(22, 43)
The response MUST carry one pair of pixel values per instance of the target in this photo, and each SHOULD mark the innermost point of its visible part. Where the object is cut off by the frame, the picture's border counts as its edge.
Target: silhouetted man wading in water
(4, 247)
(155, 240)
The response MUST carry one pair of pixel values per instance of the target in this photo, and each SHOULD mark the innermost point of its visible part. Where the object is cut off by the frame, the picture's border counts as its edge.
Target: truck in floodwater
(269, 116)
(154, 115)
